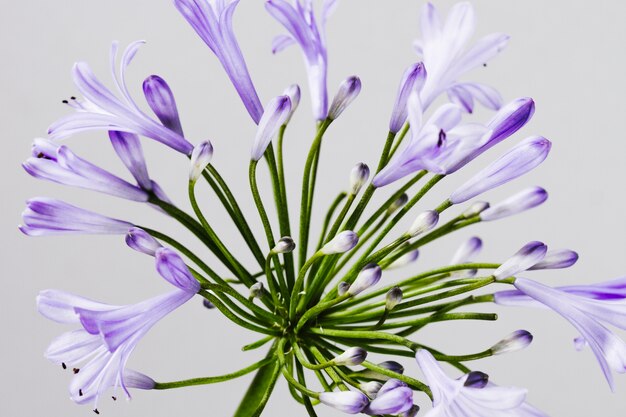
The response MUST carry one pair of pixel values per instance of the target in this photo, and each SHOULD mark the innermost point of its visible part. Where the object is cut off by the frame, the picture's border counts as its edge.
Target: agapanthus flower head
(350, 402)
(529, 255)
(303, 27)
(517, 340)
(200, 158)
(517, 203)
(101, 109)
(452, 398)
(446, 57)
(394, 397)
(213, 22)
(587, 310)
(47, 216)
(522, 158)
(347, 93)
(276, 113)
(141, 241)
(110, 333)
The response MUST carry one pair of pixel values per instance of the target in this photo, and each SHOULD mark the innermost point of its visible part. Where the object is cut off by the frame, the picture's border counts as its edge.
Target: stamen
(64, 101)
(96, 411)
(75, 370)
(80, 392)
(63, 365)
(114, 398)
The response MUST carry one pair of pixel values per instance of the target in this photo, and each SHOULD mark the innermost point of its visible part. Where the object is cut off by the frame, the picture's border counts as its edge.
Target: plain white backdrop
(568, 55)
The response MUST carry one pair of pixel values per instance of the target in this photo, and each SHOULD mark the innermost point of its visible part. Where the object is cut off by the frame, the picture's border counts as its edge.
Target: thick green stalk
(260, 388)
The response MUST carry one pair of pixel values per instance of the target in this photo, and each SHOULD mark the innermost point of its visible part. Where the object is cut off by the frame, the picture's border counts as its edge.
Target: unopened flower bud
(369, 276)
(557, 259)
(343, 287)
(256, 290)
(529, 255)
(392, 366)
(476, 379)
(423, 223)
(467, 251)
(412, 80)
(517, 203)
(515, 341)
(411, 412)
(393, 298)
(402, 200)
(351, 402)
(370, 388)
(200, 158)
(284, 245)
(341, 243)
(141, 241)
(207, 304)
(293, 92)
(276, 113)
(161, 100)
(393, 397)
(358, 176)
(405, 259)
(475, 209)
(351, 357)
(134, 379)
(348, 91)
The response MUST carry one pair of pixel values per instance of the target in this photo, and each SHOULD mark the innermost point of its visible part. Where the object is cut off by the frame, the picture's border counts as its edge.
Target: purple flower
(453, 398)
(161, 100)
(394, 397)
(128, 148)
(586, 313)
(529, 255)
(299, 20)
(412, 81)
(348, 92)
(557, 259)
(110, 333)
(446, 58)
(46, 216)
(517, 203)
(522, 158)
(101, 109)
(276, 114)
(141, 241)
(213, 22)
(62, 166)
(351, 402)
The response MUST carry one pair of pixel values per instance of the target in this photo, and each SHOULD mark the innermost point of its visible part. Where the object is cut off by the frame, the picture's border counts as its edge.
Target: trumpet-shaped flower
(587, 308)
(110, 333)
(299, 20)
(101, 109)
(213, 22)
(457, 398)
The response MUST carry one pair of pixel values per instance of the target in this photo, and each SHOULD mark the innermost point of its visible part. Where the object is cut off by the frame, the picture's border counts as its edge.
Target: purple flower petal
(161, 100)
(517, 203)
(276, 114)
(128, 148)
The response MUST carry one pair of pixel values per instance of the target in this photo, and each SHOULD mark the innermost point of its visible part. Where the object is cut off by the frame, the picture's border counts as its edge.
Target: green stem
(328, 218)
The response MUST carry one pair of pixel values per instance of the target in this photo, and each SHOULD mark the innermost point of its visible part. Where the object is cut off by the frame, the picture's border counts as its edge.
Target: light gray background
(568, 55)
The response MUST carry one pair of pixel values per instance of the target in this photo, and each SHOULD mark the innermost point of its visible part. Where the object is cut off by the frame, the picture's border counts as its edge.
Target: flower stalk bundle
(320, 301)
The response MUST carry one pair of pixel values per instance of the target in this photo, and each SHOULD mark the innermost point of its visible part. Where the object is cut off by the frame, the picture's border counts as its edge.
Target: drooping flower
(587, 309)
(299, 20)
(522, 158)
(110, 333)
(276, 113)
(47, 216)
(59, 164)
(446, 57)
(213, 22)
(457, 398)
(101, 109)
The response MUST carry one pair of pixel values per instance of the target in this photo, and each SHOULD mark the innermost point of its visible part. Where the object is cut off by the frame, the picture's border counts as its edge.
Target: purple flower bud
(343, 288)
(393, 298)
(423, 223)
(256, 290)
(467, 251)
(351, 402)
(476, 379)
(134, 379)
(529, 255)
(394, 397)
(358, 176)
(275, 115)
(207, 304)
(284, 245)
(368, 277)
(392, 366)
(557, 259)
(405, 259)
(341, 243)
(401, 201)
(173, 269)
(348, 91)
(517, 340)
(294, 94)
(161, 100)
(200, 158)
(517, 203)
(510, 119)
(141, 241)
(370, 388)
(412, 80)
(411, 412)
(475, 209)
(351, 357)
(527, 155)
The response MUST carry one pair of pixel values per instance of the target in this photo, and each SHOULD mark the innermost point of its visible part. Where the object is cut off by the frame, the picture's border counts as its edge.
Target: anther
(64, 101)
(96, 411)
(75, 370)
(63, 365)
(72, 98)
(114, 397)
(80, 392)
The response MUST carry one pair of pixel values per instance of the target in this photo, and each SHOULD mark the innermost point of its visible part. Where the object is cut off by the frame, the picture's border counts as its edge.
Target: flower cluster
(321, 307)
